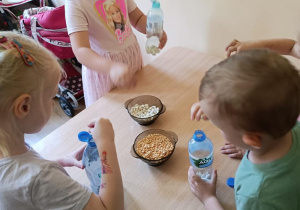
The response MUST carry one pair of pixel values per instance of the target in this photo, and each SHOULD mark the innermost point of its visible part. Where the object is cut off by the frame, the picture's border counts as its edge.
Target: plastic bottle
(201, 155)
(154, 29)
(91, 161)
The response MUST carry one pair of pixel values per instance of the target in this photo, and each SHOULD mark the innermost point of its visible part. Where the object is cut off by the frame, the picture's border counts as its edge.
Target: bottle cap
(230, 182)
(86, 137)
(156, 4)
(199, 135)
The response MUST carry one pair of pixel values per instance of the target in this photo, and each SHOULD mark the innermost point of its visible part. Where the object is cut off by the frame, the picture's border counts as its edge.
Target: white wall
(209, 25)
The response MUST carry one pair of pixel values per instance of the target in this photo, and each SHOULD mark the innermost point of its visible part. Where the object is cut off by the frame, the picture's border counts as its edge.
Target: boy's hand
(72, 159)
(202, 189)
(197, 113)
(102, 130)
(237, 46)
(232, 151)
(121, 76)
(163, 40)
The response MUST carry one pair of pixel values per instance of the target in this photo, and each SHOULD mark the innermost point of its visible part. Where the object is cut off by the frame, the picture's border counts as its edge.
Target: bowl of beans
(144, 109)
(154, 146)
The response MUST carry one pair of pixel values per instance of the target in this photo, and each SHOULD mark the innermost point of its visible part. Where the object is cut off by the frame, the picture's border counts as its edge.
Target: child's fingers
(228, 146)
(236, 155)
(231, 50)
(194, 110)
(199, 115)
(230, 44)
(91, 124)
(204, 117)
(229, 151)
(214, 177)
(79, 164)
(79, 152)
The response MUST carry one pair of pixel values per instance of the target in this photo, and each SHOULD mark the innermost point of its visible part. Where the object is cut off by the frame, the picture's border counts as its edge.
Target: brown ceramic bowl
(145, 99)
(169, 134)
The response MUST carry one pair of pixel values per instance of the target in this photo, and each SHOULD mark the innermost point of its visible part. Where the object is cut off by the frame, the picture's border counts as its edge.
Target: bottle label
(202, 162)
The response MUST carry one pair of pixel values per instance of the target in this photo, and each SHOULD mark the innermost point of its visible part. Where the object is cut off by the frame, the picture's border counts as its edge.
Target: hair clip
(4, 43)
(3, 39)
(28, 59)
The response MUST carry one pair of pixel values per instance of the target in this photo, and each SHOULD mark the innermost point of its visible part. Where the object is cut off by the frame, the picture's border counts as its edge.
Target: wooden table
(174, 77)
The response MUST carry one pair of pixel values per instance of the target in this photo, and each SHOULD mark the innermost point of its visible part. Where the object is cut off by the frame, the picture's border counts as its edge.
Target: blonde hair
(16, 78)
(107, 4)
(257, 90)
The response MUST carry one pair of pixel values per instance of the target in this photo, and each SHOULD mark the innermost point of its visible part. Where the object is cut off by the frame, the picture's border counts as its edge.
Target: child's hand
(102, 130)
(163, 40)
(202, 189)
(72, 159)
(232, 151)
(237, 46)
(121, 76)
(197, 113)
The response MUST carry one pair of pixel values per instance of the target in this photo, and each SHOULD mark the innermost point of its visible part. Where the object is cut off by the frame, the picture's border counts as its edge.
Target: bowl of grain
(145, 109)
(154, 146)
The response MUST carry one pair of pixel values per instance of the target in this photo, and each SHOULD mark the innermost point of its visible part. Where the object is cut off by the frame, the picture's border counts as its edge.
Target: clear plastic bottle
(91, 161)
(154, 29)
(201, 155)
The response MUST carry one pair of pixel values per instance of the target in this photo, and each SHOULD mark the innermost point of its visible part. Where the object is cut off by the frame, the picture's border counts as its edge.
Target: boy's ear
(253, 140)
(22, 106)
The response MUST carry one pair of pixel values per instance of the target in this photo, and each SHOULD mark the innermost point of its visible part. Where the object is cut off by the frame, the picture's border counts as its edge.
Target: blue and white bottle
(91, 161)
(201, 155)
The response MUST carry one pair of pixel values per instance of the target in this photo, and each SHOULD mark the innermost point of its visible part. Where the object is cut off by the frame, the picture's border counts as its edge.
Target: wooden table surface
(173, 77)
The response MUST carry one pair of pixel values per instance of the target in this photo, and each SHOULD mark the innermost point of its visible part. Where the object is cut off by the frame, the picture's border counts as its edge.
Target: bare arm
(85, 55)
(118, 72)
(111, 190)
(138, 20)
(282, 46)
(296, 50)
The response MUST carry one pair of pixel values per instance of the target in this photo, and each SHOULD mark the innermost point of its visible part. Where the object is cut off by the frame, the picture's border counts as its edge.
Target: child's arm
(282, 46)
(118, 72)
(111, 189)
(139, 21)
(205, 191)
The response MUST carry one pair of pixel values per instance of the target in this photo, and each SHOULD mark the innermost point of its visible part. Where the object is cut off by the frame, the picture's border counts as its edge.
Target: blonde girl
(114, 16)
(29, 75)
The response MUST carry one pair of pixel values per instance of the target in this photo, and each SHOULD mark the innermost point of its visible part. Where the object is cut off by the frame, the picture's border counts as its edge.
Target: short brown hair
(259, 90)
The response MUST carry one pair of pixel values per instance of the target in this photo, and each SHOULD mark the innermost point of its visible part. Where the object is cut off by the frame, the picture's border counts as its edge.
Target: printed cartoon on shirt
(113, 14)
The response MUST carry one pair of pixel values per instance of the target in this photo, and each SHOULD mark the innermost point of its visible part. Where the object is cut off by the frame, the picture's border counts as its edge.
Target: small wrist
(104, 142)
(209, 199)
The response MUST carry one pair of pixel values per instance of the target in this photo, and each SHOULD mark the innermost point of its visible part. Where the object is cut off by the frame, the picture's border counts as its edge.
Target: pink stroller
(49, 28)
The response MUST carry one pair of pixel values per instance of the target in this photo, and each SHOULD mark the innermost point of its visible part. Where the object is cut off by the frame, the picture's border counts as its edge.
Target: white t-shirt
(95, 16)
(30, 182)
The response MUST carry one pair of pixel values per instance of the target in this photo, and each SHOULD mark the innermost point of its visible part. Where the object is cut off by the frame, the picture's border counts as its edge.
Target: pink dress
(110, 39)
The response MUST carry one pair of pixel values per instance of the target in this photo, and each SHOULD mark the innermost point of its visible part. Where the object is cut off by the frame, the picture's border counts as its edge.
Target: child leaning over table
(283, 46)
(254, 98)
(29, 75)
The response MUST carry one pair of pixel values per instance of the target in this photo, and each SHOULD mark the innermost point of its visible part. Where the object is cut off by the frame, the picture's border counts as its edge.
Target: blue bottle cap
(230, 182)
(156, 4)
(86, 137)
(199, 135)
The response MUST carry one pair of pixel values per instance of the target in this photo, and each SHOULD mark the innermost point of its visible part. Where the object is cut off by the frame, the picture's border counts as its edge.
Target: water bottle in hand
(91, 161)
(201, 155)
(154, 29)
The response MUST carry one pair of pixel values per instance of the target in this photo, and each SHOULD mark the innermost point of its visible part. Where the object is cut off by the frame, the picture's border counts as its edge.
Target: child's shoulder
(30, 163)
(42, 184)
